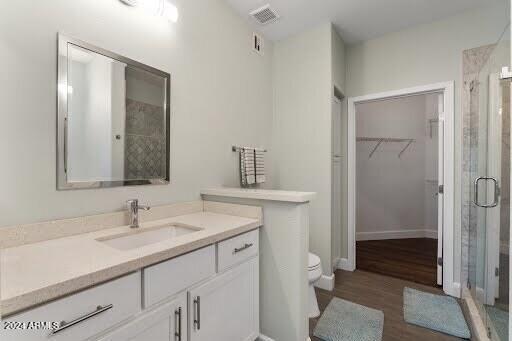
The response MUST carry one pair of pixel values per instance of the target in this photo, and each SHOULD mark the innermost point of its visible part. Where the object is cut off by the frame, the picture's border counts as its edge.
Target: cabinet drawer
(94, 310)
(166, 279)
(237, 249)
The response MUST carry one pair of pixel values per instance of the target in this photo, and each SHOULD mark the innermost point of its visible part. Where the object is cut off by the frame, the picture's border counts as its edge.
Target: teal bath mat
(436, 312)
(346, 321)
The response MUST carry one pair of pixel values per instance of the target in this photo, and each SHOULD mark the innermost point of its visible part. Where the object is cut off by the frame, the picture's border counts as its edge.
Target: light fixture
(159, 8)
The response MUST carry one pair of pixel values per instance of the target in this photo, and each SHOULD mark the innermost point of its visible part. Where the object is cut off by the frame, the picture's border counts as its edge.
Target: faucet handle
(134, 204)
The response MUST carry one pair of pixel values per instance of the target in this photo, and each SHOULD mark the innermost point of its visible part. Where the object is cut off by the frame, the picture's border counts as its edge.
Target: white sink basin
(147, 236)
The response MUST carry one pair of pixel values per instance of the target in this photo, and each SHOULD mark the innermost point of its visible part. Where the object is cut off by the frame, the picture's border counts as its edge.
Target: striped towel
(247, 167)
(259, 164)
(252, 166)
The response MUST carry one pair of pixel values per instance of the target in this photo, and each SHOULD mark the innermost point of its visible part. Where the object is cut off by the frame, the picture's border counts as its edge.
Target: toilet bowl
(314, 274)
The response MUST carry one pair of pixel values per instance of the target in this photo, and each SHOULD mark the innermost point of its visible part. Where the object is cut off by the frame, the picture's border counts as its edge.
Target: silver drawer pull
(65, 325)
(177, 314)
(197, 320)
(240, 249)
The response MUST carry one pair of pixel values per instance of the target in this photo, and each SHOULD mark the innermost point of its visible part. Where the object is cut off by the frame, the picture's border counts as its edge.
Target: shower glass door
(488, 266)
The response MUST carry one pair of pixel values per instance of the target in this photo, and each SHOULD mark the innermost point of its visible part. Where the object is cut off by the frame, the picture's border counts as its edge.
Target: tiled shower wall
(145, 154)
(472, 62)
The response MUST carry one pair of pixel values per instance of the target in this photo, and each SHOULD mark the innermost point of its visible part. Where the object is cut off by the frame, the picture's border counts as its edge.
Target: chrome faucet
(134, 207)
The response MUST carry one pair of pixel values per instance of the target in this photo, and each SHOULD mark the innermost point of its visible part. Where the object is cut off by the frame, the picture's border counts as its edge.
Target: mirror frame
(62, 113)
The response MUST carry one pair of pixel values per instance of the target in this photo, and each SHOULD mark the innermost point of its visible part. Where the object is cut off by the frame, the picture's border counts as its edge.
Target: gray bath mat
(346, 321)
(436, 312)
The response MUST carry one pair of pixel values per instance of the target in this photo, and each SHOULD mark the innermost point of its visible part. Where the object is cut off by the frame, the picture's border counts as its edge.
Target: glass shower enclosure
(489, 188)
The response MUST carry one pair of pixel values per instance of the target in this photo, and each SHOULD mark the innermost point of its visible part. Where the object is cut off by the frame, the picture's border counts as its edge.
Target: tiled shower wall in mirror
(145, 141)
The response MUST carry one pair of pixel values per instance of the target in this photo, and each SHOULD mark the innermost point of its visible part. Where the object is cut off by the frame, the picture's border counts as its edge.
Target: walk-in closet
(397, 188)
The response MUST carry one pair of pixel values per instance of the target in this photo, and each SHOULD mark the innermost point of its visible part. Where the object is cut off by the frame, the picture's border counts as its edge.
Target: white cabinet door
(226, 307)
(167, 322)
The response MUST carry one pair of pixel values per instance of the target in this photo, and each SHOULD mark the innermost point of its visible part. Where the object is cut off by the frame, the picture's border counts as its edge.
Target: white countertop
(37, 273)
(260, 194)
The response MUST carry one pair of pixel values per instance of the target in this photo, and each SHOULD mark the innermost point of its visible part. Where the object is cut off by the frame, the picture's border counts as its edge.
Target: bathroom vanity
(190, 272)
(210, 270)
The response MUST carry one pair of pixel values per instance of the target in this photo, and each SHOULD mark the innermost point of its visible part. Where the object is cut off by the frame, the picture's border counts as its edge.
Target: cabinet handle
(177, 313)
(65, 325)
(197, 306)
(240, 249)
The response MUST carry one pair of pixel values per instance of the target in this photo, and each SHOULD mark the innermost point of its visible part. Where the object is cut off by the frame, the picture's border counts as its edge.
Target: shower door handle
(496, 192)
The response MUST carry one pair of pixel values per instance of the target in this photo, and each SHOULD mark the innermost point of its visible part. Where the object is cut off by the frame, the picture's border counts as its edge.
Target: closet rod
(384, 139)
(238, 148)
(380, 140)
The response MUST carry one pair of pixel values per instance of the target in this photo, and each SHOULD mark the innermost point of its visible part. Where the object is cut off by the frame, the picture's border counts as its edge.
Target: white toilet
(314, 274)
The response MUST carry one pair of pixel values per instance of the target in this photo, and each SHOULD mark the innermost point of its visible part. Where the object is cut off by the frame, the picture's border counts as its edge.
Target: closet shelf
(381, 140)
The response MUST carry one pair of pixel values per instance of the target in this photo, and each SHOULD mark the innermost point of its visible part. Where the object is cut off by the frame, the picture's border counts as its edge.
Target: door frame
(336, 159)
(447, 88)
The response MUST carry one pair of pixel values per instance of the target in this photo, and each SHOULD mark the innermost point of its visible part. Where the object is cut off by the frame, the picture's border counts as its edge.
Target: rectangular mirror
(113, 119)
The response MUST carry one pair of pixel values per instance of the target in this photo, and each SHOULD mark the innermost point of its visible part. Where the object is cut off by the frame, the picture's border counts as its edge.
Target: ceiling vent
(264, 15)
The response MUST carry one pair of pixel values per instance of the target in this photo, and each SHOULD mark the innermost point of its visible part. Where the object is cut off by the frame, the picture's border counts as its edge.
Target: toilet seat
(313, 262)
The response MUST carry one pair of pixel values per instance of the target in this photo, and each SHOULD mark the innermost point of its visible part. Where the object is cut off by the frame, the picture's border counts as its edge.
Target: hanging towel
(243, 177)
(247, 167)
(259, 165)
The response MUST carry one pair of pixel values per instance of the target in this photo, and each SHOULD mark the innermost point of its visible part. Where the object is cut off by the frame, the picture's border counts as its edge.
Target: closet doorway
(401, 166)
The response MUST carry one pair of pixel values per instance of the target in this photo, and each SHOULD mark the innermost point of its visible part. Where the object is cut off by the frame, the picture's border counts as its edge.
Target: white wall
(422, 55)
(338, 60)
(90, 119)
(118, 89)
(393, 193)
(302, 127)
(77, 117)
(97, 154)
(221, 95)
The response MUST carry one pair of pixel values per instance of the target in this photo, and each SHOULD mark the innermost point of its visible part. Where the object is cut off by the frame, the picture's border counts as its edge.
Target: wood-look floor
(383, 293)
(409, 259)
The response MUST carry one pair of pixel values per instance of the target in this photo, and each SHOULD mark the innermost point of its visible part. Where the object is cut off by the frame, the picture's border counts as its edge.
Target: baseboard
(264, 338)
(343, 264)
(326, 282)
(396, 234)
(432, 234)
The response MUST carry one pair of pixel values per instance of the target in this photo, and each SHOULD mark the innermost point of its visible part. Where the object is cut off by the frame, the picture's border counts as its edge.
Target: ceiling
(355, 20)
